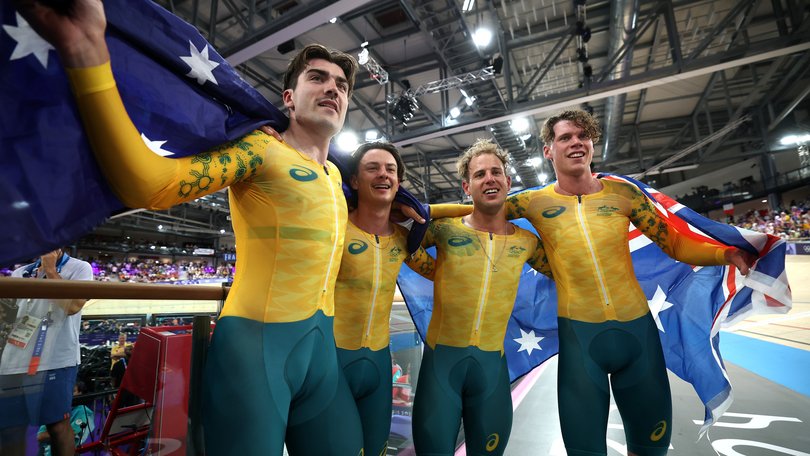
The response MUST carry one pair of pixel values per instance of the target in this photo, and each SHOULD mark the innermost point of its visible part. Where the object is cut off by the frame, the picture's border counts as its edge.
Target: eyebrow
(338, 78)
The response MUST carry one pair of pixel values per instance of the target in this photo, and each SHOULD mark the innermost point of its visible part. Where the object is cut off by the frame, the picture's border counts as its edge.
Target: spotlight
(520, 125)
(403, 108)
(347, 141)
(587, 70)
(582, 54)
(372, 135)
(482, 37)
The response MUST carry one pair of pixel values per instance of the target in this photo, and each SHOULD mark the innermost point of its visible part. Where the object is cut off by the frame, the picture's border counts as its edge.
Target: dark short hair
(361, 151)
(358, 155)
(316, 51)
(578, 117)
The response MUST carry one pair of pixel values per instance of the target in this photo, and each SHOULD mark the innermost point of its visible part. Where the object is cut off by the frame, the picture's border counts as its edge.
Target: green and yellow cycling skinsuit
(605, 326)
(364, 293)
(463, 371)
(272, 370)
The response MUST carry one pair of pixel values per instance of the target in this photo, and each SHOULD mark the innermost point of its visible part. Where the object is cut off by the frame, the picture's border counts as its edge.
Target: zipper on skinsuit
(484, 290)
(376, 278)
(337, 235)
(589, 243)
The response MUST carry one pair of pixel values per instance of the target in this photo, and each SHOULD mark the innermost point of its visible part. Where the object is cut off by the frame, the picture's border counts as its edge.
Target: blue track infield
(787, 366)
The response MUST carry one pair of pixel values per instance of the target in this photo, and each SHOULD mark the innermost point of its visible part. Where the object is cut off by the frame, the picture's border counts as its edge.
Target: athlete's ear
(286, 98)
(466, 187)
(353, 182)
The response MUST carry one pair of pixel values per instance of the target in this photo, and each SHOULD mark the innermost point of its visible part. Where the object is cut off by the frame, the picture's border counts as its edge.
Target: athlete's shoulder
(400, 232)
(524, 233)
(621, 188)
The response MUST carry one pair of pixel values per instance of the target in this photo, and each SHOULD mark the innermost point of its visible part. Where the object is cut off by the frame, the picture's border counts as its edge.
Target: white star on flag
(156, 146)
(28, 42)
(658, 304)
(528, 341)
(201, 66)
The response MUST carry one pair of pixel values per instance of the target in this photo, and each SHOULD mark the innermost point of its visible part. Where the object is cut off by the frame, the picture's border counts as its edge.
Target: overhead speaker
(286, 47)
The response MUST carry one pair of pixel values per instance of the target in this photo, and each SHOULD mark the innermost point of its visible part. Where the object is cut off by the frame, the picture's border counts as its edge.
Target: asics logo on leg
(659, 431)
(492, 441)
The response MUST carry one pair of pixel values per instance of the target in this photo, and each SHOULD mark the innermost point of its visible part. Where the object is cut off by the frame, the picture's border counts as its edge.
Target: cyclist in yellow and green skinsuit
(374, 251)
(479, 261)
(605, 325)
(272, 371)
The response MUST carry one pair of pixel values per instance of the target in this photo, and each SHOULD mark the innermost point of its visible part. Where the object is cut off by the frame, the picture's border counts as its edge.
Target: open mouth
(491, 191)
(329, 104)
(381, 187)
(576, 155)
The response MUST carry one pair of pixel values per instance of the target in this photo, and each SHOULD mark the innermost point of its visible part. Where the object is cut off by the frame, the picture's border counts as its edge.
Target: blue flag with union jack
(690, 304)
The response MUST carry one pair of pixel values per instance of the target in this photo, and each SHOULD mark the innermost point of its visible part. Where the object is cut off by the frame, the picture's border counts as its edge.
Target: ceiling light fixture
(347, 141)
(482, 37)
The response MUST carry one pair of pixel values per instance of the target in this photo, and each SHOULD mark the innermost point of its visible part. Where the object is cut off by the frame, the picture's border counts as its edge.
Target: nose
(331, 87)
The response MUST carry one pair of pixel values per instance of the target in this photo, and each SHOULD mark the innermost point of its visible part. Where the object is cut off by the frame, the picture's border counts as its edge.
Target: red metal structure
(158, 373)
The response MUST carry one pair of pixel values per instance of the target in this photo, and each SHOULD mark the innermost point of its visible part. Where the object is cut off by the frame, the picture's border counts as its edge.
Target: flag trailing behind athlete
(690, 304)
(180, 93)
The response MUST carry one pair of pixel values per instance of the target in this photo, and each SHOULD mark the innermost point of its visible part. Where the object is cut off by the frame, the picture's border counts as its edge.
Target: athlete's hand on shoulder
(742, 259)
(74, 28)
(267, 129)
(402, 213)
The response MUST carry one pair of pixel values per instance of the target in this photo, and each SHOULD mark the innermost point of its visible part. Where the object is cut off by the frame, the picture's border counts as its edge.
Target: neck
(371, 219)
(491, 222)
(583, 184)
(308, 144)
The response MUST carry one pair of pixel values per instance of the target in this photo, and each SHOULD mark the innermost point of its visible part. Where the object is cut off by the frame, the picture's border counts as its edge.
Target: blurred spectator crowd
(793, 223)
(155, 271)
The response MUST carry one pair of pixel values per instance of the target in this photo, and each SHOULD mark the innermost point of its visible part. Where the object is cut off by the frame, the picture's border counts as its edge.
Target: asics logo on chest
(553, 211)
(459, 241)
(357, 247)
(302, 174)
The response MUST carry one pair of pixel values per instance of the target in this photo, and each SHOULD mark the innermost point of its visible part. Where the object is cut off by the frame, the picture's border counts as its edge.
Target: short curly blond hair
(481, 147)
(578, 117)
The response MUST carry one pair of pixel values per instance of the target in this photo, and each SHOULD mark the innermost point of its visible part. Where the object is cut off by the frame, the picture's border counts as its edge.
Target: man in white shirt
(40, 361)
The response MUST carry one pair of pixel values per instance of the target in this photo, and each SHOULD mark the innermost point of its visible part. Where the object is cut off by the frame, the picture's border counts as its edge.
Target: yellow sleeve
(539, 260)
(449, 210)
(680, 247)
(422, 263)
(517, 206)
(141, 178)
(429, 240)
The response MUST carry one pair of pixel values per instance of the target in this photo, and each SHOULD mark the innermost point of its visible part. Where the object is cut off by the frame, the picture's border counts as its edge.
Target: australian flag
(690, 304)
